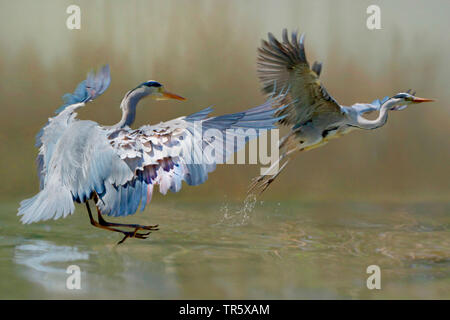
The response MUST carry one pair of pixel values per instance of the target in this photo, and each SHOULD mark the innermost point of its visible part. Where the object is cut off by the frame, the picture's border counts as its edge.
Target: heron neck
(364, 123)
(128, 106)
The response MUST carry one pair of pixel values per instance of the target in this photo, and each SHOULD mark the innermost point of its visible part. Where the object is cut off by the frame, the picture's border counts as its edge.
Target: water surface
(289, 250)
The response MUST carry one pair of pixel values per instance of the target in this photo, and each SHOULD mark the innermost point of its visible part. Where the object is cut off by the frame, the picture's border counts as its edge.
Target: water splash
(238, 217)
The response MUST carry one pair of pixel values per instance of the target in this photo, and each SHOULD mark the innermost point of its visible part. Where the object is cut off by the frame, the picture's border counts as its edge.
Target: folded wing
(60, 159)
(86, 91)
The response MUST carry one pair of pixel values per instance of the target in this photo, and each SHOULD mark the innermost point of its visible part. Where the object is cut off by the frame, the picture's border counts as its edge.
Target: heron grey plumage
(117, 166)
(314, 116)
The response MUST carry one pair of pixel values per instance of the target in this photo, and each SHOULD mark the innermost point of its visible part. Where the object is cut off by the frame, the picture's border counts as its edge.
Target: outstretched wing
(122, 165)
(46, 139)
(89, 89)
(171, 152)
(284, 65)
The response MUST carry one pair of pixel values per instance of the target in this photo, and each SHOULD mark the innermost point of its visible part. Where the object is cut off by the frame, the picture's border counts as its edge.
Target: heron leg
(127, 234)
(105, 223)
(267, 183)
(263, 181)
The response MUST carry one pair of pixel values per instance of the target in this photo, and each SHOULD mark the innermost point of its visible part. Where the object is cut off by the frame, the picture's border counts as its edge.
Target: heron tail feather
(54, 202)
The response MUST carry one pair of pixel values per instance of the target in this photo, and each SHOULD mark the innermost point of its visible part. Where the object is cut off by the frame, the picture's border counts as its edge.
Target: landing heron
(117, 167)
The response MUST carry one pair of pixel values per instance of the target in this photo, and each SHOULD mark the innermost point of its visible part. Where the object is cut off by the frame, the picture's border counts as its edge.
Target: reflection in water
(252, 250)
(47, 263)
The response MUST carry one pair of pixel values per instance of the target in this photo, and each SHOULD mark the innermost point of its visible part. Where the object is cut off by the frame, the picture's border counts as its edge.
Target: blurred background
(206, 51)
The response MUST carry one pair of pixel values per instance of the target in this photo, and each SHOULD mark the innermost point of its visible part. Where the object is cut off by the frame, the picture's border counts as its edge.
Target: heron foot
(254, 183)
(267, 183)
(103, 224)
(133, 234)
(128, 234)
(263, 182)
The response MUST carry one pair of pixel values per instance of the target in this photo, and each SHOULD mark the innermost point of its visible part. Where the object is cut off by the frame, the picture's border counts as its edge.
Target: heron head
(407, 98)
(156, 91)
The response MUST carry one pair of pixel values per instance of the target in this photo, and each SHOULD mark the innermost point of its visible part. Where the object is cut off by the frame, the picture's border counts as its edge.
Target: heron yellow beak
(420, 100)
(168, 95)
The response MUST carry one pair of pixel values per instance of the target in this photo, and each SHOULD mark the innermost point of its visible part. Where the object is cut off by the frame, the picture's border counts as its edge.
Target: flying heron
(117, 167)
(314, 116)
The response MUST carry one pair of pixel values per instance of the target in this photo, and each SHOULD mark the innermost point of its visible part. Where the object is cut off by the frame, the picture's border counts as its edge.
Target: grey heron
(314, 116)
(117, 167)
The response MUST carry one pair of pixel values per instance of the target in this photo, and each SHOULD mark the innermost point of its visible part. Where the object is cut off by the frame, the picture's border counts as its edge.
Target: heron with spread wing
(117, 167)
(314, 116)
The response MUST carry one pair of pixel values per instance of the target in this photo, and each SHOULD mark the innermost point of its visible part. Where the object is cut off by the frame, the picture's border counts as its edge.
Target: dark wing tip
(317, 67)
(89, 89)
(285, 36)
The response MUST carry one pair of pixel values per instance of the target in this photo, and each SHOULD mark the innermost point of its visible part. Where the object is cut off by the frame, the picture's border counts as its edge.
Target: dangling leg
(127, 234)
(284, 144)
(267, 183)
(262, 182)
(301, 139)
